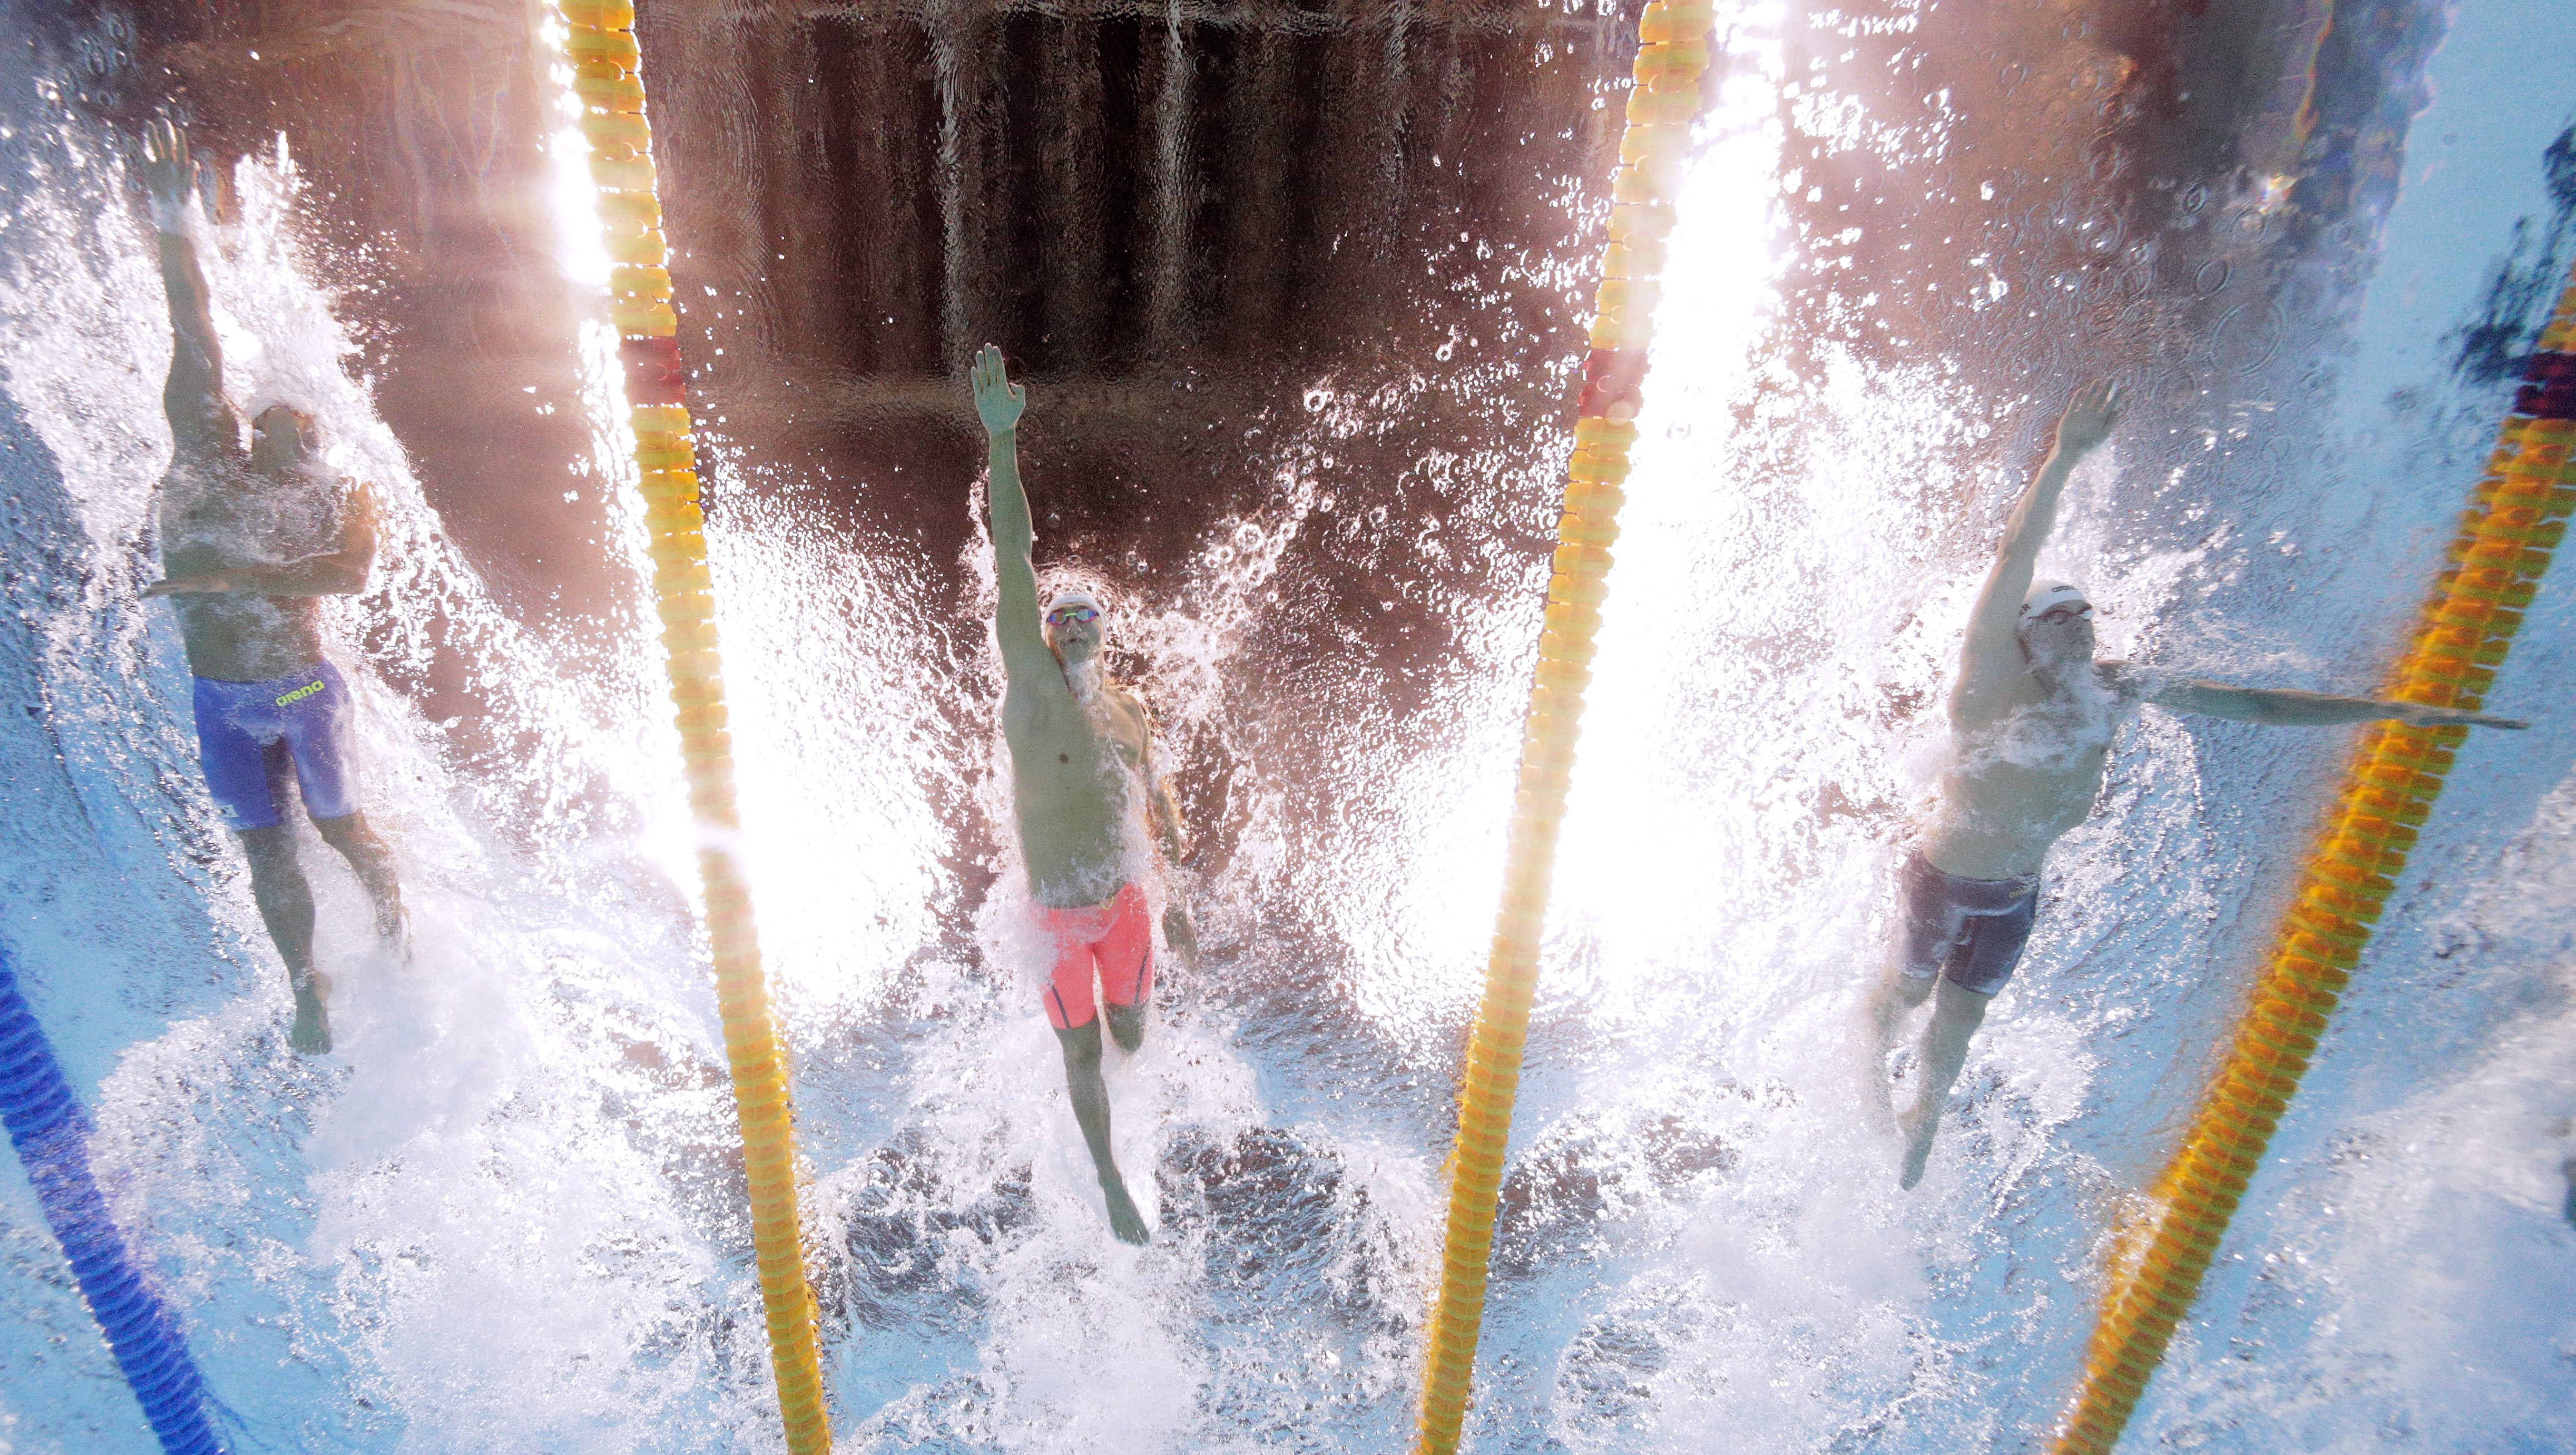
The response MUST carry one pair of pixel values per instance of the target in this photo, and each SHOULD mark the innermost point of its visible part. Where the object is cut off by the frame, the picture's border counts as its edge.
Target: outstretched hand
(167, 170)
(211, 583)
(2088, 418)
(998, 401)
(2419, 714)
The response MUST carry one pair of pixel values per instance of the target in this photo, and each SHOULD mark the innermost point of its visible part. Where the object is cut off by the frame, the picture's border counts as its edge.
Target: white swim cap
(2045, 596)
(1072, 596)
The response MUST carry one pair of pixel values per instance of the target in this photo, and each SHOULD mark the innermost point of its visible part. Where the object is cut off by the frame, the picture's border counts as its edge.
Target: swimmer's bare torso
(1074, 766)
(219, 520)
(2018, 783)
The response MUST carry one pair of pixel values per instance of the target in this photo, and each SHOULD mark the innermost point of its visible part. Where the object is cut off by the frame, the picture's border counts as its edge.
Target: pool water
(505, 1214)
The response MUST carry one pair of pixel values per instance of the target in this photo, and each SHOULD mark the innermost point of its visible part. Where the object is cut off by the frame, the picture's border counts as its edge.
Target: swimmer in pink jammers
(2031, 722)
(1082, 766)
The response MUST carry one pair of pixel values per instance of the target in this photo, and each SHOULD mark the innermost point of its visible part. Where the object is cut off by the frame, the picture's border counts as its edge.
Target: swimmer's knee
(1959, 1003)
(351, 834)
(1081, 1045)
(1127, 1026)
(270, 850)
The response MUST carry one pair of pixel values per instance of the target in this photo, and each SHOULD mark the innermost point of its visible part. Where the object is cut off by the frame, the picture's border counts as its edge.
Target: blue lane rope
(51, 1132)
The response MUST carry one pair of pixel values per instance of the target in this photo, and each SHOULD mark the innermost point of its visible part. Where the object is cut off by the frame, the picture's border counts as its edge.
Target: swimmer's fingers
(165, 157)
(2417, 714)
(188, 586)
(998, 401)
(992, 375)
(2090, 412)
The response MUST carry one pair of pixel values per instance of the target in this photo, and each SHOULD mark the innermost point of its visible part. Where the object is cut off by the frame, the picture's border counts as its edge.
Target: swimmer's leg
(1884, 1006)
(285, 901)
(1091, 1112)
(1126, 960)
(1956, 1014)
(374, 864)
(1181, 935)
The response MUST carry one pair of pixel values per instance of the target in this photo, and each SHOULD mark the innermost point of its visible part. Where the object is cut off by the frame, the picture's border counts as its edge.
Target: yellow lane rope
(608, 76)
(2518, 515)
(1672, 54)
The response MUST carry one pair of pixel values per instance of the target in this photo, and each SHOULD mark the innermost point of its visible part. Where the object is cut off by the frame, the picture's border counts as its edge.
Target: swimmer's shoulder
(1130, 705)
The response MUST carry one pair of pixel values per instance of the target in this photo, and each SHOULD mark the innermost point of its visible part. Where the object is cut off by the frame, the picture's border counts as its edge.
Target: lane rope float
(1654, 147)
(608, 77)
(2516, 517)
(51, 1133)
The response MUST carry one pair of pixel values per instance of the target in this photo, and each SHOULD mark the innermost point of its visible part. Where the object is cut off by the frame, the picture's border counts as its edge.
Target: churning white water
(504, 1215)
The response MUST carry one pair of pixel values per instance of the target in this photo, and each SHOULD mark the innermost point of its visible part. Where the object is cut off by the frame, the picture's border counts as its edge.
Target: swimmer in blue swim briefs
(2032, 718)
(250, 542)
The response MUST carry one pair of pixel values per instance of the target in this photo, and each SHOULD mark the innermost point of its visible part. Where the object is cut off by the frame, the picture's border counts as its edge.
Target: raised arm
(340, 571)
(1991, 657)
(998, 402)
(2280, 707)
(194, 395)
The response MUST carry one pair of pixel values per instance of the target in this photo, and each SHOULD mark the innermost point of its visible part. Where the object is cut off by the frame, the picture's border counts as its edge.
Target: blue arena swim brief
(1971, 930)
(237, 723)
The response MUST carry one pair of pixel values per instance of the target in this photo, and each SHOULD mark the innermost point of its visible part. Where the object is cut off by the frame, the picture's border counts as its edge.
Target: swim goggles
(2061, 615)
(1063, 614)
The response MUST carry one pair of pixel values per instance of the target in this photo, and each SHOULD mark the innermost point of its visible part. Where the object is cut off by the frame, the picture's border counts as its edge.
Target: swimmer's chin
(1085, 677)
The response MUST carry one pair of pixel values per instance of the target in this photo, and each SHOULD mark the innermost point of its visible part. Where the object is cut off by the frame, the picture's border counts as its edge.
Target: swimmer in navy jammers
(249, 540)
(2031, 720)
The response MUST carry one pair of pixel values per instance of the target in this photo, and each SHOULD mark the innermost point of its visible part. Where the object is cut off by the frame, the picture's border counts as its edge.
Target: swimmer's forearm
(1012, 527)
(197, 358)
(2036, 515)
(328, 576)
(2081, 430)
(190, 299)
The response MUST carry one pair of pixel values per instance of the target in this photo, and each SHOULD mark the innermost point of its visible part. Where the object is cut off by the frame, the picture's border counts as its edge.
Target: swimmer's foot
(1918, 1130)
(1878, 1096)
(1124, 1220)
(311, 1035)
(393, 929)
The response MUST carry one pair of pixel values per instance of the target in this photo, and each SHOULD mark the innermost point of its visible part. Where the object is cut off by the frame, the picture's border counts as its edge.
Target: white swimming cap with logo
(2045, 595)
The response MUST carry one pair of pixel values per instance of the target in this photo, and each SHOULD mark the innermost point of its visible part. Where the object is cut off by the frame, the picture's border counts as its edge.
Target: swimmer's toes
(1918, 1152)
(311, 1038)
